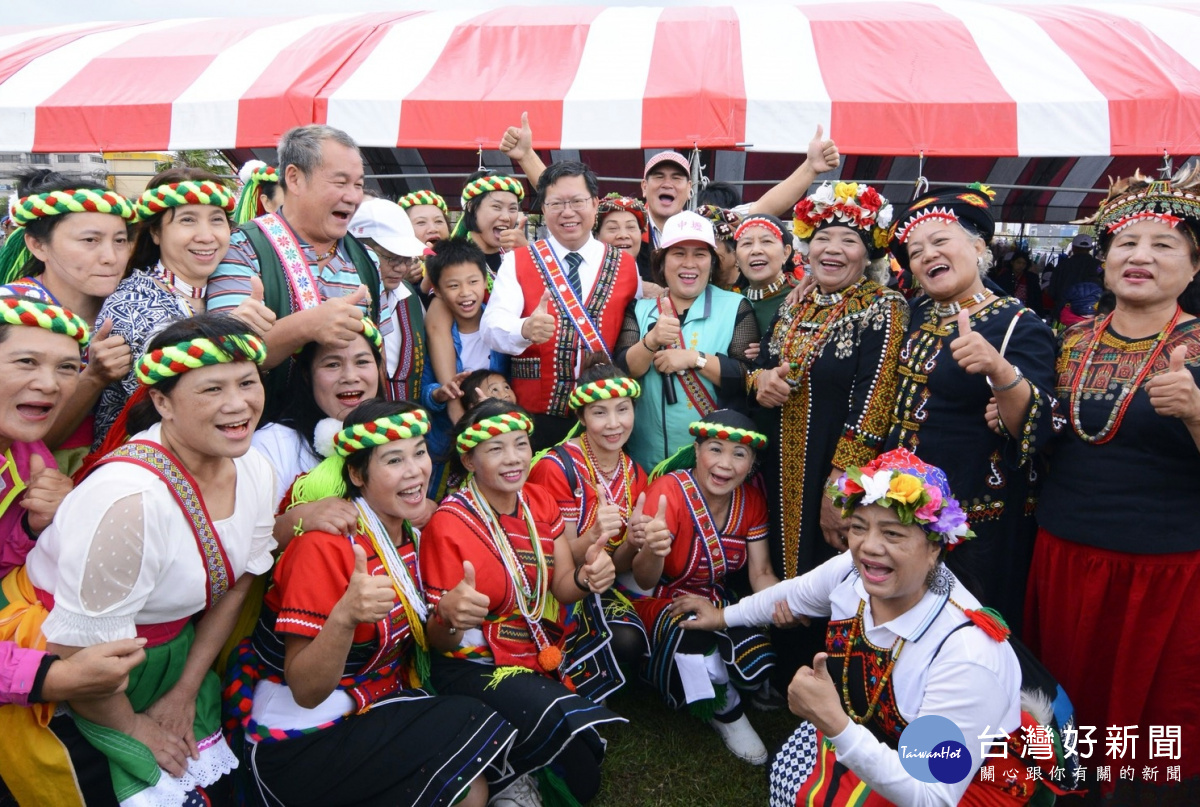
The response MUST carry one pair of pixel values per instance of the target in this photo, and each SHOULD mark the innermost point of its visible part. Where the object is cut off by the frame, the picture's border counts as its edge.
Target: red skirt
(1121, 632)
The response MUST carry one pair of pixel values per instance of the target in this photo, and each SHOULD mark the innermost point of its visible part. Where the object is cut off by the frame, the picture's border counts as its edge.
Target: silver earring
(981, 264)
(939, 581)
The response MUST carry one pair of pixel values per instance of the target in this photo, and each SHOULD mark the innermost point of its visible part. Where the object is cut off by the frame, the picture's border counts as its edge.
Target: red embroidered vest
(543, 376)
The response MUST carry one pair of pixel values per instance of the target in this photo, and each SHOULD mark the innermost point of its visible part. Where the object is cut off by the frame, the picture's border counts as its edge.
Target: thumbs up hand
(977, 356)
(813, 696)
(597, 572)
(822, 154)
(772, 386)
(253, 311)
(109, 356)
(338, 321)
(539, 326)
(609, 518)
(464, 606)
(515, 237)
(1173, 392)
(635, 532)
(665, 333)
(368, 598)
(517, 141)
(46, 489)
(658, 534)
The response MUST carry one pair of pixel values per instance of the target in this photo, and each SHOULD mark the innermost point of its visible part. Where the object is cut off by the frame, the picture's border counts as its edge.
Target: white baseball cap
(687, 226)
(387, 225)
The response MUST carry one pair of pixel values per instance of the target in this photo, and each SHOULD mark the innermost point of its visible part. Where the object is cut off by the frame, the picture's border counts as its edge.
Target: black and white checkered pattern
(793, 764)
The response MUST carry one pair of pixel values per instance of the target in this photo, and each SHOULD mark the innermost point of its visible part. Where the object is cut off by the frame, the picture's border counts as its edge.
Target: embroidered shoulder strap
(183, 488)
(565, 297)
(693, 385)
(702, 519)
(301, 283)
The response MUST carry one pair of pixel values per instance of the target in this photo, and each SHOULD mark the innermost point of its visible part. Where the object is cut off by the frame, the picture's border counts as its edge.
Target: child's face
(496, 386)
(462, 287)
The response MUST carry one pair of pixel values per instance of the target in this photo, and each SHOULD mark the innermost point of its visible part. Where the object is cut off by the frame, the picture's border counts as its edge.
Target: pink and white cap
(687, 226)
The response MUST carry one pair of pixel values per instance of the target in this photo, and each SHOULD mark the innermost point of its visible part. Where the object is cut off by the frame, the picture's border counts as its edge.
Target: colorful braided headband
(190, 192)
(603, 390)
(173, 360)
(418, 198)
(84, 200)
(17, 311)
(372, 334)
(917, 492)
(490, 184)
(484, 430)
(265, 173)
(381, 431)
(719, 431)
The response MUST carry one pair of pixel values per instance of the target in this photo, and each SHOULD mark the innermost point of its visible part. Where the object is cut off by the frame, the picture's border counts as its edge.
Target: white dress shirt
(502, 320)
(962, 675)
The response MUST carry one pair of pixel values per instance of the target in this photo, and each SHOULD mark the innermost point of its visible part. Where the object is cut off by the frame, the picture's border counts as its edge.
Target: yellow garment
(33, 761)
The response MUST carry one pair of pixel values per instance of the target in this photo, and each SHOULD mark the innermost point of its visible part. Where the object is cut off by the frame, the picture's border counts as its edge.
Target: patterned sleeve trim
(869, 424)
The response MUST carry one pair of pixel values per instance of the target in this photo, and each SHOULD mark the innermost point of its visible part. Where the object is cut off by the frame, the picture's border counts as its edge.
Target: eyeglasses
(396, 262)
(559, 205)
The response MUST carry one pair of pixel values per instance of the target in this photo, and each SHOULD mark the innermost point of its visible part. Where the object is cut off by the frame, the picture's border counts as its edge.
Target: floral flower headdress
(846, 204)
(917, 492)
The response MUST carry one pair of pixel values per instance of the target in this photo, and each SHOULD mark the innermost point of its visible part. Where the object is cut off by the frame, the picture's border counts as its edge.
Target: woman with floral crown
(905, 641)
(825, 376)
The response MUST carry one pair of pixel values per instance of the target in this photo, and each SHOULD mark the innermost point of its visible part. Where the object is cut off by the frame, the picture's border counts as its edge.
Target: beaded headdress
(602, 390)
(724, 222)
(616, 203)
(970, 206)
(1140, 198)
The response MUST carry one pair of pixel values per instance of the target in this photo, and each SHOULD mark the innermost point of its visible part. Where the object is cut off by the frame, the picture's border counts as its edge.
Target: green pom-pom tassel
(13, 257)
(554, 790)
(321, 482)
(683, 459)
(707, 709)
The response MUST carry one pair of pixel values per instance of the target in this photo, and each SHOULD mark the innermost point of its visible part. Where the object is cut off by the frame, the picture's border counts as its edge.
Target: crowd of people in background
(310, 498)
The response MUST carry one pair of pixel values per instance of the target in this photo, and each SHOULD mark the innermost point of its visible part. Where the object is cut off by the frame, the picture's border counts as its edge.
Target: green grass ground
(663, 758)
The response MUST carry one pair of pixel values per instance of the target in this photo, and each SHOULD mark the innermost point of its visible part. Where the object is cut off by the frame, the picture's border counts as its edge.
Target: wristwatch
(701, 360)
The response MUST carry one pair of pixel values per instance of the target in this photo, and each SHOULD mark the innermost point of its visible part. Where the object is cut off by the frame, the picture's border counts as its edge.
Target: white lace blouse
(120, 551)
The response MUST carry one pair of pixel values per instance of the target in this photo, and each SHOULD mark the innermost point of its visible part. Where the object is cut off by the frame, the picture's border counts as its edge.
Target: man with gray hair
(319, 280)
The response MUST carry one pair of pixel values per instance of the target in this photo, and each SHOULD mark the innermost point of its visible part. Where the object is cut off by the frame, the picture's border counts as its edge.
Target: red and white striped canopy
(891, 78)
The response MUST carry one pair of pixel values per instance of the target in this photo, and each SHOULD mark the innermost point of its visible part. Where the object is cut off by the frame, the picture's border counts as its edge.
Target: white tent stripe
(1065, 116)
(12, 41)
(207, 111)
(603, 107)
(1178, 29)
(42, 77)
(782, 109)
(368, 104)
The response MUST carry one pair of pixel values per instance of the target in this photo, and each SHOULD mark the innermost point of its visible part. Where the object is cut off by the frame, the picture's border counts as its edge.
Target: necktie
(573, 261)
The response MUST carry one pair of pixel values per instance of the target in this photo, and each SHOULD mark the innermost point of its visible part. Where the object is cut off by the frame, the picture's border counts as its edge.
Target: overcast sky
(66, 11)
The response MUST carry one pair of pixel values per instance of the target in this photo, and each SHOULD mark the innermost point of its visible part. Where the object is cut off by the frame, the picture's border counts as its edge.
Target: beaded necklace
(1125, 398)
(623, 471)
(530, 595)
(944, 310)
(768, 290)
(872, 697)
(407, 587)
(806, 347)
(174, 283)
(327, 254)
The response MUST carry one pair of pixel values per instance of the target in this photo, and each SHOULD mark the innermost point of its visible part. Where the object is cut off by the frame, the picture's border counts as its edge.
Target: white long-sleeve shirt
(963, 675)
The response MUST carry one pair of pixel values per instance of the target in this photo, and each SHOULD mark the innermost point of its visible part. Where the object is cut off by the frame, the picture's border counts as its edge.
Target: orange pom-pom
(549, 658)
(990, 622)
